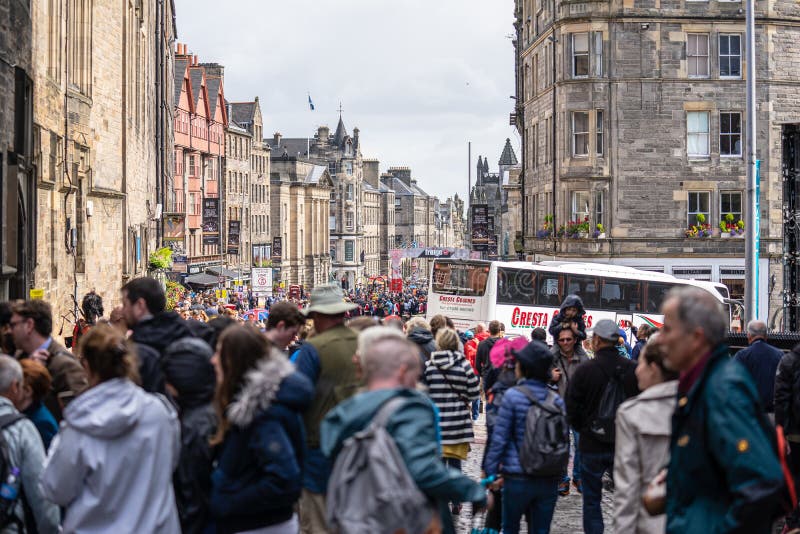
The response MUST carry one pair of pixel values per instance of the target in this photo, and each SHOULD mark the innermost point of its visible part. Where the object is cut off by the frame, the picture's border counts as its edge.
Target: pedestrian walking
(452, 386)
(533, 495)
(568, 355)
(642, 441)
(32, 327)
(190, 381)
(283, 322)
(111, 464)
(36, 386)
(327, 360)
(569, 317)
(761, 359)
(419, 332)
(787, 416)
(723, 474)
(23, 454)
(596, 390)
(260, 400)
(92, 310)
(643, 333)
(483, 363)
(391, 368)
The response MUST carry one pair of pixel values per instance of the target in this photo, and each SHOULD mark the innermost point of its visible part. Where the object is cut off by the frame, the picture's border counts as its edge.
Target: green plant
(740, 224)
(175, 293)
(700, 218)
(600, 228)
(728, 217)
(160, 259)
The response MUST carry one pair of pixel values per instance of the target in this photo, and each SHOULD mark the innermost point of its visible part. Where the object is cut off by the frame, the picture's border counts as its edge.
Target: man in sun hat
(327, 360)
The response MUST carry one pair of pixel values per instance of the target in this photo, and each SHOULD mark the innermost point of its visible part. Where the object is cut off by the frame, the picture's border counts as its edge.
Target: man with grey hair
(391, 367)
(762, 360)
(25, 452)
(723, 474)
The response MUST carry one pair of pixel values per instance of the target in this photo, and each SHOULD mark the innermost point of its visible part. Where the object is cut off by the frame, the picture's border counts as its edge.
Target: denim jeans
(476, 408)
(593, 465)
(576, 460)
(535, 498)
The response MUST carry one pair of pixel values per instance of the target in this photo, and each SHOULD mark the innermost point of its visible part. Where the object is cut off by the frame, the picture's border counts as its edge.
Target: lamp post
(752, 216)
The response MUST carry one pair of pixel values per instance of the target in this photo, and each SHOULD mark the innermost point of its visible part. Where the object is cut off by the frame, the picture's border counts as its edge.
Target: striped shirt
(452, 386)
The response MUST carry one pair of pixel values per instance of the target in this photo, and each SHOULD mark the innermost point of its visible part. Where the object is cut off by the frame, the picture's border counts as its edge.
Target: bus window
(621, 295)
(516, 286)
(587, 288)
(466, 279)
(656, 293)
(550, 289)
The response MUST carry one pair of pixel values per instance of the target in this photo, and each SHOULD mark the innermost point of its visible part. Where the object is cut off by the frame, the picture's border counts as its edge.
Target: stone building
(386, 217)
(101, 82)
(17, 171)
(342, 155)
(236, 196)
(255, 225)
(193, 193)
(300, 200)
(633, 115)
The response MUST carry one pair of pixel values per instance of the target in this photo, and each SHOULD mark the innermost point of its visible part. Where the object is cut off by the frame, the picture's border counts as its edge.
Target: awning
(222, 271)
(202, 279)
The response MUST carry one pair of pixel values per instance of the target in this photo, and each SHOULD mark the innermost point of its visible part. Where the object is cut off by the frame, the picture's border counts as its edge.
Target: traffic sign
(262, 280)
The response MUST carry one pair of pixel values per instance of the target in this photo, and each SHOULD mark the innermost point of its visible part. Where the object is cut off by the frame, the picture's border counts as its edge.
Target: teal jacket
(414, 429)
(724, 475)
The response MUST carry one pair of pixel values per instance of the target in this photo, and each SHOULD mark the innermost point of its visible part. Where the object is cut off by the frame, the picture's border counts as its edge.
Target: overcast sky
(419, 78)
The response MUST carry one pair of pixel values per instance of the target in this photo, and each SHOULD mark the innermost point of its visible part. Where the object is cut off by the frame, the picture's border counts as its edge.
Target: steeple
(508, 158)
(479, 174)
(485, 166)
(341, 133)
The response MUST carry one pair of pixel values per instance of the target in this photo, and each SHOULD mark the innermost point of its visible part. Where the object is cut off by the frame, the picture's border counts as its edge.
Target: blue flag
(310, 103)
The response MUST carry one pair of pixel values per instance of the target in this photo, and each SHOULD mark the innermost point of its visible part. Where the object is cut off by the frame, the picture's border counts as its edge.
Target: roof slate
(341, 133)
(243, 112)
(212, 87)
(196, 77)
(508, 157)
(180, 70)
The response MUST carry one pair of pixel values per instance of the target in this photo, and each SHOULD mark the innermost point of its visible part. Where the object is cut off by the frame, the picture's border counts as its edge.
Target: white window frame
(731, 134)
(689, 55)
(349, 192)
(584, 134)
(582, 53)
(577, 211)
(349, 220)
(729, 55)
(737, 215)
(699, 134)
(691, 216)
(599, 208)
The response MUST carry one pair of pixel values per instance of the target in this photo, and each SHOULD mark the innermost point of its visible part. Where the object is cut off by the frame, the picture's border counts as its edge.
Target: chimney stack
(276, 137)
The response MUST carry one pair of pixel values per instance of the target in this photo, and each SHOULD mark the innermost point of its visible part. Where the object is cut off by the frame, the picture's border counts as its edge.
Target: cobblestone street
(567, 517)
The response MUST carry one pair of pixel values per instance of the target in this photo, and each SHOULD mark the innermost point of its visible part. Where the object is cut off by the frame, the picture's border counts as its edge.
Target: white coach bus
(525, 295)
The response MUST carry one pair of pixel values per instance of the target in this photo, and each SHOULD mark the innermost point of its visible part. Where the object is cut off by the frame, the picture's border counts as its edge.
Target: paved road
(567, 518)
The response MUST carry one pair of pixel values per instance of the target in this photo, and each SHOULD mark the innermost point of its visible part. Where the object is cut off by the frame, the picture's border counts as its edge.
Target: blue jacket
(414, 429)
(509, 429)
(762, 360)
(258, 477)
(723, 473)
(44, 422)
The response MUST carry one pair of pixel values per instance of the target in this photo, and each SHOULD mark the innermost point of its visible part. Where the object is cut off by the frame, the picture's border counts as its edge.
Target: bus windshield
(462, 278)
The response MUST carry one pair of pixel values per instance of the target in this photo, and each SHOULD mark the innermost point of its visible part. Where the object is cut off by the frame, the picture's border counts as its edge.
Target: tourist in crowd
(36, 386)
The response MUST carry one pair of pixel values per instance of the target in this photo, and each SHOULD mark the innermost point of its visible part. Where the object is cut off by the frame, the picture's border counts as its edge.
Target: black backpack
(8, 506)
(602, 427)
(545, 447)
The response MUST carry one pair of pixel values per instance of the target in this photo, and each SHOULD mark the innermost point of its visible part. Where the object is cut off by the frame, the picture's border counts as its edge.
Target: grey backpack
(370, 490)
(545, 447)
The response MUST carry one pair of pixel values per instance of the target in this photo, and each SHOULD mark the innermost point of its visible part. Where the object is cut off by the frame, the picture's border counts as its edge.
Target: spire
(508, 158)
(485, 166)
(479, 174)
(341, 133)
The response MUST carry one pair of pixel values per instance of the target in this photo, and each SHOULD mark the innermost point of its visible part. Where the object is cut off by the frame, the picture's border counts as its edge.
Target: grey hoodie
(111, 464)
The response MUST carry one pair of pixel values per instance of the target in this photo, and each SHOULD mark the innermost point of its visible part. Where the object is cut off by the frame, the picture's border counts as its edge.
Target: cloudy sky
(420, 78)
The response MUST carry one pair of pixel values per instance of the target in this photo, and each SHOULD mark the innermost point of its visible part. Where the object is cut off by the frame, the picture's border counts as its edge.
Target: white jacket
(644, 425)
(111, 463)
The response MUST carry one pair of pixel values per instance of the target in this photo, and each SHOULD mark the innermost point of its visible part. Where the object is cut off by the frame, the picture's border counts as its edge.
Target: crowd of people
(323, 418)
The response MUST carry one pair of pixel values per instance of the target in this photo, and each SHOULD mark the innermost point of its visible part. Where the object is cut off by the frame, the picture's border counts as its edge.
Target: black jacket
(787, 396)
(192, 478)
(483, 364)
(586, 389)
(557, 324)
(424, 339)
(762, 359)
(152, 336)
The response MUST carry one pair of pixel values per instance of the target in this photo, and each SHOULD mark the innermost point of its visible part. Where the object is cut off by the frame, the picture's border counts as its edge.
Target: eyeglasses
(565, 340)
(12, 324)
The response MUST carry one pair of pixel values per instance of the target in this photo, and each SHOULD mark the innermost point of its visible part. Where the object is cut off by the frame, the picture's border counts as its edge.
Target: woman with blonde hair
(111, 465)
(259, 401)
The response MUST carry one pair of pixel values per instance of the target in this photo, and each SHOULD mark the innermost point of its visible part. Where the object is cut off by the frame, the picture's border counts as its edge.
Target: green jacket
(336, 380)
(724, 475)
(414, 429)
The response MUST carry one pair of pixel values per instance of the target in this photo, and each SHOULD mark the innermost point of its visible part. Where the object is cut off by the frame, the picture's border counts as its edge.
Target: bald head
(756, 329)
(385, 358)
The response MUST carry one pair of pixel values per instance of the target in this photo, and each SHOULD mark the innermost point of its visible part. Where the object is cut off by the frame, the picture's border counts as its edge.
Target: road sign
(261, 278)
